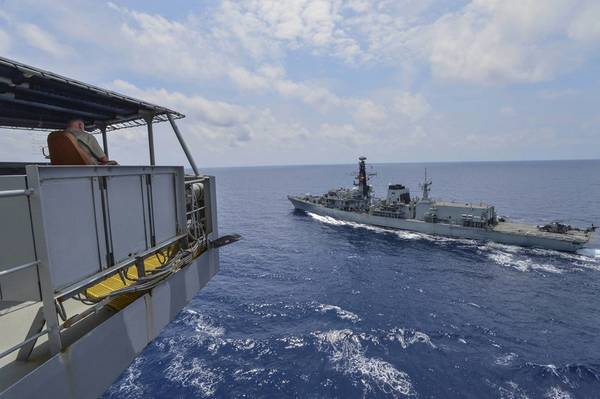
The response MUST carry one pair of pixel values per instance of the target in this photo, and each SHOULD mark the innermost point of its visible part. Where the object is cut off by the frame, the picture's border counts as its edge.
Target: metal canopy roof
(31, 98)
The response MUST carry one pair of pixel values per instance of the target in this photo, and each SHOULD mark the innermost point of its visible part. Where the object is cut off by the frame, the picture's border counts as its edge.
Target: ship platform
(575, 236)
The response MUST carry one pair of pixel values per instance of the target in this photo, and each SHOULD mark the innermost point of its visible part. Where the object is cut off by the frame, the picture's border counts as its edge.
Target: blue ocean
(311, 307)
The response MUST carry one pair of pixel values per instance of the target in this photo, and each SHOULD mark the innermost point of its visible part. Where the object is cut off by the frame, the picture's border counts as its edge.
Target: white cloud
(310, 94)
(266, 27)
(557, 94)
(369, 112)
(156, 45)
(216, 124)
(42, 40)
(5, 42)
(507, 110)
(492, 41)
(585, 27)
(486, 41)
(344, 134)
(258, 77)
(273, 78)
(209, 120)
(412, 106)
(247, 80)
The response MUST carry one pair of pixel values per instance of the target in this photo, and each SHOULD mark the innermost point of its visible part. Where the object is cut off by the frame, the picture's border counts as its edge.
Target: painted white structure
(74, 226)
(65, 229)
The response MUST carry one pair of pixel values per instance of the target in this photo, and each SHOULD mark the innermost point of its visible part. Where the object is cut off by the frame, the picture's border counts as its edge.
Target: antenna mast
(363, 185)
(426, 186)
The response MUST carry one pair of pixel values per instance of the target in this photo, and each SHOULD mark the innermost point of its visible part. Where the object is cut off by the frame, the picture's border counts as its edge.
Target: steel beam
(18, 268)
(15, 193)
(184, 146)
(104, 139)
(148, 118)
(42, 255)
(54, 108)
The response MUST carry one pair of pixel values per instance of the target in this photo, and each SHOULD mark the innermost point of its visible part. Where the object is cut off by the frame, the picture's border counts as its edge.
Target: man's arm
(97, 151)
(105, 161)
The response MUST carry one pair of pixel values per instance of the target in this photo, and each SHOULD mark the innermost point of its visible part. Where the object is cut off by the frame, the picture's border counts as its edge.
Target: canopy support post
(149, 117)
(184, 146)
(104, 139)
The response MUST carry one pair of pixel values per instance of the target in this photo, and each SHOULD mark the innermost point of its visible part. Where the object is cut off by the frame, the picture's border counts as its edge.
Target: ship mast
(363, 185)
(426, 187)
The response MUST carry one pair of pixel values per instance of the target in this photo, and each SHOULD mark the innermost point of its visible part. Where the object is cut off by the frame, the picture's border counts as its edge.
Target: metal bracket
(224, 240)
(149, 117)
(139, 265)
(36, 328)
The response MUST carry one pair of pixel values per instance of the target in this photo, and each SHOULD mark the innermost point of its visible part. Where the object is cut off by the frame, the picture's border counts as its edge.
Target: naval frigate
(429, 216)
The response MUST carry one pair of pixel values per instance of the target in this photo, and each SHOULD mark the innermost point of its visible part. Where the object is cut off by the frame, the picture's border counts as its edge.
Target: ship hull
(505, 233)
(90, 365)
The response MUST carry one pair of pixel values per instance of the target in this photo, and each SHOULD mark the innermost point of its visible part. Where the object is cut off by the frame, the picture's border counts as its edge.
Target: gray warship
(444, 218)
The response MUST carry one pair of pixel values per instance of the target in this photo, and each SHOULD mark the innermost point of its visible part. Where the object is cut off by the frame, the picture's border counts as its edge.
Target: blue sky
(307, 81)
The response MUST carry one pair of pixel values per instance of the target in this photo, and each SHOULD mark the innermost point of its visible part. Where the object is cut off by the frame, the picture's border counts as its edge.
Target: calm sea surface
(309, 307)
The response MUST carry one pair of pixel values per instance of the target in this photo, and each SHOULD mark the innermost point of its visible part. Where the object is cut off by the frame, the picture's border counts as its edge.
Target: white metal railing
(14, 193)
(18, 268)
(81, 285)
(161, 205)
(22, 344)
(196, 209)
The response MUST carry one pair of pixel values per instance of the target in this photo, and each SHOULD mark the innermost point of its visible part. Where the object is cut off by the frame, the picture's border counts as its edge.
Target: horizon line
(399, 162)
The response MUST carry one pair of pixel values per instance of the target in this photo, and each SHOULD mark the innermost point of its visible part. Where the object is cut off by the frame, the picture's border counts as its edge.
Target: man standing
(87, 142)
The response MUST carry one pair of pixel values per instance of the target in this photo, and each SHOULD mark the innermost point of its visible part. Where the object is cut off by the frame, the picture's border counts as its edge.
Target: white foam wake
(184, 368)
(193, 373)
(520, 262)
(511, 390)
(408, 337)
(543, 260)
(506, 359)
(129, 386)
(337, 222)
(204, 327)
(348, 357)
(590, 252)
(403, 234)
(341, 313)
(292, 342)
(518, 258)
(557, 393)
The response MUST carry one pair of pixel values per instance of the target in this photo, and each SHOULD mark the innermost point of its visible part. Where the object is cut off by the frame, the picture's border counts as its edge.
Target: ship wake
(517, 258)
(403, 234)
(347, 356)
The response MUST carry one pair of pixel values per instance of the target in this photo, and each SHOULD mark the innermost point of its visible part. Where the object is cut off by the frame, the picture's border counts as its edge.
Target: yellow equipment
(127, 278)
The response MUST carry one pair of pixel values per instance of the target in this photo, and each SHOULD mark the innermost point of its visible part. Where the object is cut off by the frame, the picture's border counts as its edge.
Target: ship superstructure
(94, 260)
(399, 210)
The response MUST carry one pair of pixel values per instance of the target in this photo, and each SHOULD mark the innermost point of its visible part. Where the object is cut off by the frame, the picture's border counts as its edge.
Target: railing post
(41, 253)
(184, 146)
(102, 128)
(139, 265)
(149, 117)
